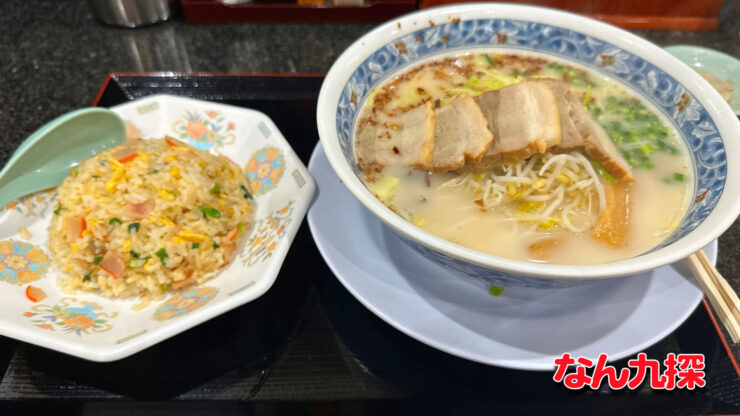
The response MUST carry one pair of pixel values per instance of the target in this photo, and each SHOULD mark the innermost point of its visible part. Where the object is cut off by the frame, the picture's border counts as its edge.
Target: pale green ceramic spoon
(45, 158)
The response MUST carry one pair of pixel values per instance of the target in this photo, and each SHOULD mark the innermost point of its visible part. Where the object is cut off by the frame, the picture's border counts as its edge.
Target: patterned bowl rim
(721, 217)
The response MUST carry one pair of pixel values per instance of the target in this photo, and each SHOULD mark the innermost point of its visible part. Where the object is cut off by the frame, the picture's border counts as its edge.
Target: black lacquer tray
(307, 346)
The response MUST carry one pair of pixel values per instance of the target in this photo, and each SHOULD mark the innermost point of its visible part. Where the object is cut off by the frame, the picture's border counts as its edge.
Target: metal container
(133, 13)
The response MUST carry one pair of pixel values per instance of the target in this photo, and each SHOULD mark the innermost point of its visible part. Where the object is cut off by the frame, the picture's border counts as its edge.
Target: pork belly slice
(573, 135)
(460, 134)
(600, 147)
(525, 121)
(581, 131)
(406, 139)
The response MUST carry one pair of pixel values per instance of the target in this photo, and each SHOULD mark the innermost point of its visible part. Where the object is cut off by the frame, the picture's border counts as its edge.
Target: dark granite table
(55, 55)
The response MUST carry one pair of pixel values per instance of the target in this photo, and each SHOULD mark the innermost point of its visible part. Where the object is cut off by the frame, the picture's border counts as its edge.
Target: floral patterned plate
(99, 329)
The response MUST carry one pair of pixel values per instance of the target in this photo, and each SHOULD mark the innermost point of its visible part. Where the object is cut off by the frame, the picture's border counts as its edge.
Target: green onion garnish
(162, 254)
(216, 189)
(136, 262)
(87, 278)
(58, 210)
(587, 97)
(133, 227)
(115, 220)
(245, 191)
(601, 171)
(196, 245)
(495, 290)
(97, 260)
(210, 212)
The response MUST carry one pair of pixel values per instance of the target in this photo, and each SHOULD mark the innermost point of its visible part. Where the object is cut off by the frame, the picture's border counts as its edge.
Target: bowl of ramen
(524, 152)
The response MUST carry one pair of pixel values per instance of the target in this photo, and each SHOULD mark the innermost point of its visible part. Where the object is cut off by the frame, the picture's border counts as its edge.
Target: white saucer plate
(523, 328)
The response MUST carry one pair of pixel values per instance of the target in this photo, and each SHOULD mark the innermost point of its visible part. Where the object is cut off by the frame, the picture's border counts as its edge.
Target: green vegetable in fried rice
(162, 254)
(210, 212)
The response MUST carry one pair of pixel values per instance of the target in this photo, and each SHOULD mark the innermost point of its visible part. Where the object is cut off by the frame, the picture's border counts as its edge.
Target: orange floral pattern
(264, 169)
(21, 262)
(32, 205)
(268, 232)
(204, 130)
(84, 318)
(184, 302)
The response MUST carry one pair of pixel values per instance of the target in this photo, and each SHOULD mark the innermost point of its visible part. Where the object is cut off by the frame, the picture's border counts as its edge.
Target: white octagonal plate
(96, 328)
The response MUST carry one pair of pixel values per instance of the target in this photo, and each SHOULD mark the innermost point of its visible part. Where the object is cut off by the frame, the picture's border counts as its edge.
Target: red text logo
(682, 371)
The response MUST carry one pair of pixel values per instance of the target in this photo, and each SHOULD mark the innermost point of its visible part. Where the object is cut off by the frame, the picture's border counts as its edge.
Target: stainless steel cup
(133, 13)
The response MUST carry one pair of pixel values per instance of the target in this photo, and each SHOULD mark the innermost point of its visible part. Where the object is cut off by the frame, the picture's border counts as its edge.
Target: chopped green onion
(58, 210)
(87, 278)
(215, 246)
(586, 98)
(96, 176)
(216, 189)
(97, 260)
(678, 176)
(601, 171)
(495, 290)
(240, 228)
(196, 245)
(136, 262)
(115, 220)
(162, 254)
(245, 191)
(488, 58)
(210, 212)
(133, 227)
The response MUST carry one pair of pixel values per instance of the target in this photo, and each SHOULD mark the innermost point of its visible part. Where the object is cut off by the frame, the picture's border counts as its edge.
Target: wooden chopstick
(721, 295)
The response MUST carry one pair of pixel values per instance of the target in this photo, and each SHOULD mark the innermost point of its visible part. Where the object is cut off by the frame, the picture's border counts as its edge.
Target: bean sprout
(543, 192)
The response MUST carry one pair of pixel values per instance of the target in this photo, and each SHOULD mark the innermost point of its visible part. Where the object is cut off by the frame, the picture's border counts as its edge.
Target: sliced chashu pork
(581, 131)
(525, 121)
(460, 134)
(573, 135)
(600, 147)
(406, 139)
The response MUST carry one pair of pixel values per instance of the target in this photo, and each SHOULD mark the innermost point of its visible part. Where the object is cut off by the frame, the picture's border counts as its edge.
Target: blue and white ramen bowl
(704, 121)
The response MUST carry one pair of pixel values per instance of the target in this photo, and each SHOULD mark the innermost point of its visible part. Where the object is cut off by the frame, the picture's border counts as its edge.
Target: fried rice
(148, 217)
